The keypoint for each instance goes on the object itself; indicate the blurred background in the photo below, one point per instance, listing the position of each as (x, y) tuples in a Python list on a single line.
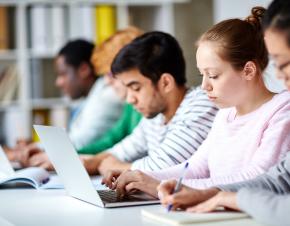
[(32, 32)]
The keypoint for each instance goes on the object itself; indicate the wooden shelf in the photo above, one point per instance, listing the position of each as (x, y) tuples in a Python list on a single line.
[(43, 55), (8, 54), (50, 102)]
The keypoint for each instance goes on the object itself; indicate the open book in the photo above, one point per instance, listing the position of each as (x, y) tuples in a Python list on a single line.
[(183, 218), (32, 176)]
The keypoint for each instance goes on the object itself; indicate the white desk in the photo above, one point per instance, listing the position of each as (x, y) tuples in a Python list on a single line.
[(52, 207)]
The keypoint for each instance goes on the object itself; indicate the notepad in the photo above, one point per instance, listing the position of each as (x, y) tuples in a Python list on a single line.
[(183, 218)]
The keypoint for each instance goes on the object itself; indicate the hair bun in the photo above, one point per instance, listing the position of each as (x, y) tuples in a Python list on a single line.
[(255, 18)]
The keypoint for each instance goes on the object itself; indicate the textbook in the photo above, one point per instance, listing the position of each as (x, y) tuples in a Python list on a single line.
[(184, 218), (33, 176)]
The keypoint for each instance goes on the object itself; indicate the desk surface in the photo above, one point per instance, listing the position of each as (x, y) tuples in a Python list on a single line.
[(52, 207)]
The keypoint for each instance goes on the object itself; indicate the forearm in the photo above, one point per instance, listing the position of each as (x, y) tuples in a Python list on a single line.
[(92, 163), (122, 166)]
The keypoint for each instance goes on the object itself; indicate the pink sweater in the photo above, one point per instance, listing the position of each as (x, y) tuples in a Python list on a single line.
[(238, 148)]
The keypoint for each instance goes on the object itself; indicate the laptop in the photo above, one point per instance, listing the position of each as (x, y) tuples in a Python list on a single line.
[(74, 176)]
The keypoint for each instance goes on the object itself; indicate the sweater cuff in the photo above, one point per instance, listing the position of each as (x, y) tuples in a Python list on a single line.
[(228, 187)]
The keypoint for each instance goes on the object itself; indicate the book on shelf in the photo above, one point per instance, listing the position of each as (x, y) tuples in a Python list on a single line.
[(55, 115), (40, 33), (37, 78), (48, 27), (58, 27), (4, 32), (9, 82), (14, 119), (84, 15), (7, 28), (87, 15), (59, 116), (183, 218), (105, 22), (40, 117)]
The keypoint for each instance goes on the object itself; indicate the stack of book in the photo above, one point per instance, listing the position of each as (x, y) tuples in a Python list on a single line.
[(9, 83)]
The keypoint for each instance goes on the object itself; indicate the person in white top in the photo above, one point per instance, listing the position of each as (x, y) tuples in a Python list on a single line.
[(99, 110)]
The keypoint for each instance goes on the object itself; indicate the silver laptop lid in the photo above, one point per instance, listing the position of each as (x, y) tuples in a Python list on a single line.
[(67, 164), (5, 166)]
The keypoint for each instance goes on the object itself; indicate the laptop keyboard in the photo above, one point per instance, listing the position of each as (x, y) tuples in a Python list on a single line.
[(110, 196)]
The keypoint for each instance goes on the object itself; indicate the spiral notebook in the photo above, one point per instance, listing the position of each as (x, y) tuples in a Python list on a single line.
[(184, 218)]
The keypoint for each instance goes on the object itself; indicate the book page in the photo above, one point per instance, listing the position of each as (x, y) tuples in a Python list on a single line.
[(33, 176)]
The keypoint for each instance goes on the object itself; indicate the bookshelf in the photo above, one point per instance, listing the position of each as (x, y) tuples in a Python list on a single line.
[(32, 54)]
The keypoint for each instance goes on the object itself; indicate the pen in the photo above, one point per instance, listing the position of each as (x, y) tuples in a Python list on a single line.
[(178, 185)]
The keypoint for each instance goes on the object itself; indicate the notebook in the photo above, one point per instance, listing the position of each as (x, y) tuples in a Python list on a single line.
[(32, 176), (184, 218), (74, 176)]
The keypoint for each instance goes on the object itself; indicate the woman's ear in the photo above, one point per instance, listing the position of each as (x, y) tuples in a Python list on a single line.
[(250, 70), (166, 82)]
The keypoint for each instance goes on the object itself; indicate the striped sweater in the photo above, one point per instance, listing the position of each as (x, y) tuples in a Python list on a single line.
[(154, 145)]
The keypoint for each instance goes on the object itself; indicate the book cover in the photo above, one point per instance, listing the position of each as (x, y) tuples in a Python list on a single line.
[(58, 27), (84, 15), (183, 218), (4, 32), (87, 14), (40, 34), (105, 22), (9, 83)]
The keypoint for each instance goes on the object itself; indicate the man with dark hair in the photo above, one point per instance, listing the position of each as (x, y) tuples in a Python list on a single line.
[(72, 60), (76, 78), (98, 112), (176, 119)]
